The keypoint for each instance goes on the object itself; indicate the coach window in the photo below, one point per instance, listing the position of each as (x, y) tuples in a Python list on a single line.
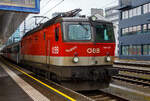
[(57, 33)]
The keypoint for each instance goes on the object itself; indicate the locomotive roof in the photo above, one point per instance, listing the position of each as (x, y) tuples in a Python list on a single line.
[(83, 19), (62, 19), (70, 19)]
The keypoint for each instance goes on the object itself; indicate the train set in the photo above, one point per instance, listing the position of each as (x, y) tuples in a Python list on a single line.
[(76, 52)]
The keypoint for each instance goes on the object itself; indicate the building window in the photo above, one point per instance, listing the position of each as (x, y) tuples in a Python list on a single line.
[(145, 8), (148, 49), (139, 48), (125, 50), (145, 49), (134, 29), (130, 29), (126, 30), (126, 14), (145, 28), (131, 50), (123, 31), (134, 12), (123, 13), (130, 13), (139, 10), (139, 28), (148, 27)]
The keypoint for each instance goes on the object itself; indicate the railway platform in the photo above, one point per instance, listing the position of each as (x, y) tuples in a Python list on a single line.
[(13, 88), (19, 84), (9, 90)]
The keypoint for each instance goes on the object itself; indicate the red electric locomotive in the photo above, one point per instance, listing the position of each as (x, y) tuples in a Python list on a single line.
[(75, 51)]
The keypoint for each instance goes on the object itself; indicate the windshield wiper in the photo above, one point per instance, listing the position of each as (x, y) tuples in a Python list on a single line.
[(83, 26)]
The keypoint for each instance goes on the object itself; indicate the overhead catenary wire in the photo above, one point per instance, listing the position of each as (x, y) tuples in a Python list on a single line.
[(53, 7), (46, 4)]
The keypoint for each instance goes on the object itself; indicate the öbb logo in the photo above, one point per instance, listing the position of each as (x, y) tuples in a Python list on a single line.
[(93, 50)]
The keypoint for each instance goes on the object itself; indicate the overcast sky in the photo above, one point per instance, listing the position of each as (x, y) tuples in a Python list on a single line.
[(48, 6)]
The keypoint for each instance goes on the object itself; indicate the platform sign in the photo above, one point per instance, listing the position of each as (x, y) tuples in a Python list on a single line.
[(21, 5)]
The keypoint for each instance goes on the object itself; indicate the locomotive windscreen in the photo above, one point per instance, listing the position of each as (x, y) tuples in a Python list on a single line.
[(104, 33), (79, 32)]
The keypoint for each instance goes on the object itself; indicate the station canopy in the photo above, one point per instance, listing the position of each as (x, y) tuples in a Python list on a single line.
[(13, 13)]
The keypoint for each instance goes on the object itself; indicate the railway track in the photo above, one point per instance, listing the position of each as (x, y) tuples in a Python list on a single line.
[(98, 95), (133, 74), (133, 80), (135, 71)]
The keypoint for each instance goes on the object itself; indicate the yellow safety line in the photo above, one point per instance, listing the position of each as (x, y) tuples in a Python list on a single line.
[(66, 96)]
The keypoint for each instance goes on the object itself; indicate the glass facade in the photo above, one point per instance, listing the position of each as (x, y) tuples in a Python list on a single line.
[(134, 31)]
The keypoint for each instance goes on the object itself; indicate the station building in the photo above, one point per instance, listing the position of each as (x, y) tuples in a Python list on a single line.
[(134, 29)]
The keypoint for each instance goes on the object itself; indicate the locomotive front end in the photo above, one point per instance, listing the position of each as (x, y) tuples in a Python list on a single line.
[(88, 50)]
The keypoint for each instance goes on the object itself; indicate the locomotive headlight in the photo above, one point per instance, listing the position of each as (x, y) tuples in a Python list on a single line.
[(75, 59), (108, 59)]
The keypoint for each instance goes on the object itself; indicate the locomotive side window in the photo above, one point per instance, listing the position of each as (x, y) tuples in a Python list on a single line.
[(78, 32), (56, 33), (44, 35), (104, 33)]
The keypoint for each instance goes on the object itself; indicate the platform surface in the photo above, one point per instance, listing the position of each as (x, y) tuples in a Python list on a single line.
[(9, 90)]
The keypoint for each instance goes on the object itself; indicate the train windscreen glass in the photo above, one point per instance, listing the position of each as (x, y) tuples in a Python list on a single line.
[(104, 33), (78, 32)]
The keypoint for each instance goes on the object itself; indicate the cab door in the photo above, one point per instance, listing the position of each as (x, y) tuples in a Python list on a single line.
[(47, 47)]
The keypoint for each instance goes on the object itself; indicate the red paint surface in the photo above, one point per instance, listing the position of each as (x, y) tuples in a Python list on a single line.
[(36, 45)]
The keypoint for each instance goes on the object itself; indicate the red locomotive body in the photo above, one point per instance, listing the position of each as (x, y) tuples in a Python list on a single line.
[(76, 52)]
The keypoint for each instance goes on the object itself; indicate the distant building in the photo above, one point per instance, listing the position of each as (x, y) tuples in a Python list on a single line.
[(112, 14), (134, 29), (15, 37), (97, 11)]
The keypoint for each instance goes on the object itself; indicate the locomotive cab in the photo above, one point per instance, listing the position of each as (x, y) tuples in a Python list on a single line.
[(85, 38)]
